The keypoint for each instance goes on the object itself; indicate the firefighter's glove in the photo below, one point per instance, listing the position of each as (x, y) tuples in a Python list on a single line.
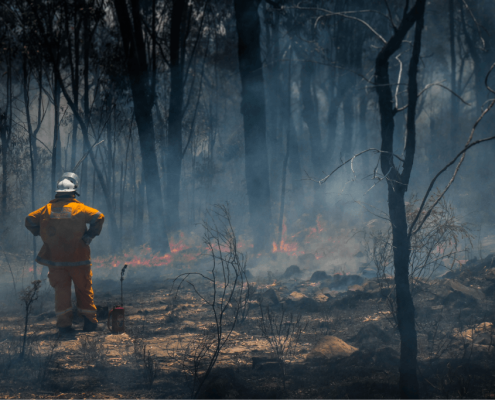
[(86, 239)]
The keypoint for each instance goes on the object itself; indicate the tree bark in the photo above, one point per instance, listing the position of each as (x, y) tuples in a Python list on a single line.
[(334, 105), (480, 54), (142, 94), (84, 191), (348, 109), (310, 115), (454, 105), (397, 184), (5, 134), (287, 155), (33, 152), (75, 79), (276, 101), (56, 148), (174, 138), (253, 111)]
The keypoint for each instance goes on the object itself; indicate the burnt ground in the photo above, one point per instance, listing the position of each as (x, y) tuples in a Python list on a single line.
[(348, 348)]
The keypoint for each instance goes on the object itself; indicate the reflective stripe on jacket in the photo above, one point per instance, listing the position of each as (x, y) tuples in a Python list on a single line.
[(61, 225)]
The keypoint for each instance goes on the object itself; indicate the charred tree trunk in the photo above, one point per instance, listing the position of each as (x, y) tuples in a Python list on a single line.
[(454, 107), (349, 118), (397, 183), (75, 79), (295, 168), (478, 49), (139, 235), (364, 140), (287, 155), (174, 138), (5, 143), (56, 148), (85, 100), (334, 105), (5, 135), (310, 115), (33, 151), (109, 144), (253, 111), (143, 98), (276, 101)]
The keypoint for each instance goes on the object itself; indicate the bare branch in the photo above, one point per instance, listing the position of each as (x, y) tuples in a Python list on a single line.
[(431, 85), (329, 13), (390, 16), (461, 154), (477, 25), (398, 81), (322, 181)]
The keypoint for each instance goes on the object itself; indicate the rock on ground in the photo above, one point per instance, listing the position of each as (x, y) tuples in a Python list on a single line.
[(268, 298), (319, 276), (293, 270), (302, 302), (331, 347), (371, 333)]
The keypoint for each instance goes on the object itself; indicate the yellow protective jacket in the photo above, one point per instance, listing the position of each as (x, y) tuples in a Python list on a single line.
[(61, 225)]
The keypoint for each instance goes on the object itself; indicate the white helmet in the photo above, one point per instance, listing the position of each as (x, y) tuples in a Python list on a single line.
[(68, 184)]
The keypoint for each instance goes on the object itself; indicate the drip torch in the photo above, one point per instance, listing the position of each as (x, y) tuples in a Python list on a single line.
[(116, 321)]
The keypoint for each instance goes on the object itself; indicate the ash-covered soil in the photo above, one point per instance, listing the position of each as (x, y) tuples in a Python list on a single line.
[(348, 345)]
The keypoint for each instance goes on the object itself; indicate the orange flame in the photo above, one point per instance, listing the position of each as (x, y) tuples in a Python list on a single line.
[(290, 248), (313, 240)]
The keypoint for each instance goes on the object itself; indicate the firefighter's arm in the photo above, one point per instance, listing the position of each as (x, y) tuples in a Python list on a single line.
[(95, 220), (32, 222)]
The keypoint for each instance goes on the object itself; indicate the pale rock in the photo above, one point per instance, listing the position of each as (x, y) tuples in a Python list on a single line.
[(331, 347)]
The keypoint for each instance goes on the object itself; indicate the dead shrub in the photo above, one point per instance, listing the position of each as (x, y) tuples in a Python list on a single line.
[(283, 333), (28, 297), (225, 291), (43, 361), (438, 243), (145, 361), (92, 350), (454, 358), (27, 360)]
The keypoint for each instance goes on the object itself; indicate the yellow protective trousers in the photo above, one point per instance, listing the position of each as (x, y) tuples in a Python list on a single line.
[(60, 279)]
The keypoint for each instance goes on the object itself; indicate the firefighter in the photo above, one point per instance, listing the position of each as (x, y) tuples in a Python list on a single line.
[(62, 227)]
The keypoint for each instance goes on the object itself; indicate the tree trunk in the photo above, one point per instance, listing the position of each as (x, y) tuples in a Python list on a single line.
[(110, 169), (5, 131), (295, 168), (139, 231), (3, 138), (174, 138), (310, 115), (454, 105), (253, 111), (56, 148), (75, 87), (364, 140), (287, 155), (276, 101), (349, 118), (33, 153), (84, 190), (476, 55), (397, 184), (333, 105), (142, 95)]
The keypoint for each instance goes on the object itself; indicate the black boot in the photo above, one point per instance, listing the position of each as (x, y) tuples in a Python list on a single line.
[(89, 326), (67, 330)]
